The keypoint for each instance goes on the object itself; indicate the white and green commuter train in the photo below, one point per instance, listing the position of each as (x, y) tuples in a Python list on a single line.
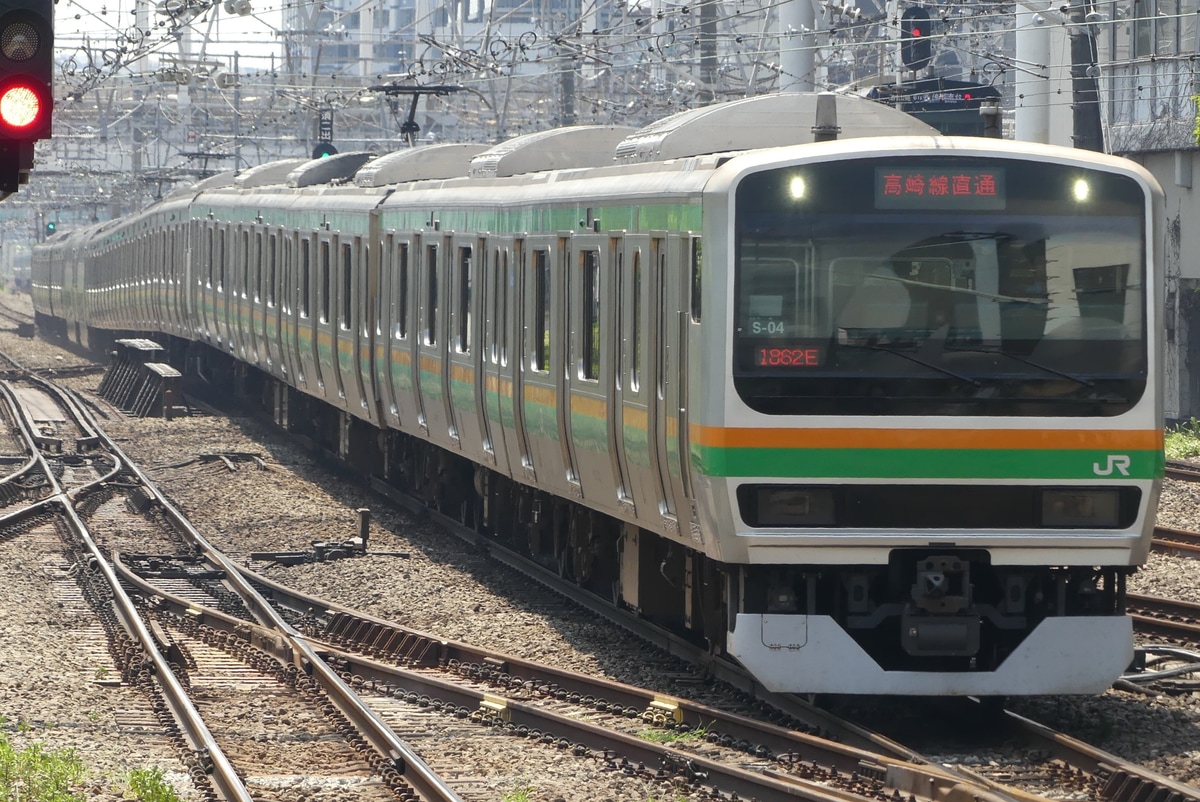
[(875, 414)]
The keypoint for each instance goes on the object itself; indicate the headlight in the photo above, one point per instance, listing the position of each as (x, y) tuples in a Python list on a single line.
[(1067, 508)]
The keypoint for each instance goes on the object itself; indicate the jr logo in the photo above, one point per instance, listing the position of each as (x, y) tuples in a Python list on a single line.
[(1118, 462)]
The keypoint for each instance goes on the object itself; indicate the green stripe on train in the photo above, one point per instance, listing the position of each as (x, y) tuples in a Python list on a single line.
[(645, 217), (932, 463)]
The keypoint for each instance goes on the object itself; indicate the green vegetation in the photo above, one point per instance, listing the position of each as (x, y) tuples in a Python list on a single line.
[(38, 774), (148, 785), (1183, 441), (519, 793), (672, 736), (35, 774), (1196, 130)]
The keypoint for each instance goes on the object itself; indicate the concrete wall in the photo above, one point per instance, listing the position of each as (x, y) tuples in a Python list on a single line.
[(1177, 171)]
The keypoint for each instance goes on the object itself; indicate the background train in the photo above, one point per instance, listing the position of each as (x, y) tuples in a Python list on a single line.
[(876, 414)]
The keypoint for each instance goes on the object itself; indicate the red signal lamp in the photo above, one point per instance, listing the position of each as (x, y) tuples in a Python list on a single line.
[(20, 106)]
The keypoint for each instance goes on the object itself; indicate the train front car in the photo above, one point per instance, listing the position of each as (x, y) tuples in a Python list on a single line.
[(935, 448)]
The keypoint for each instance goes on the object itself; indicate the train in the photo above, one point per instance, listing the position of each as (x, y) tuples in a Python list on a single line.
[(867, 409)]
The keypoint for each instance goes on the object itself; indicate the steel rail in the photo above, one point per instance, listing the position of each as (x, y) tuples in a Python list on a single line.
[(386, 638), (1126, 782), (1183, 471), (1179, 542), (1162, 616), (765, 785), (726, 671), (225, 779), (391, 747)]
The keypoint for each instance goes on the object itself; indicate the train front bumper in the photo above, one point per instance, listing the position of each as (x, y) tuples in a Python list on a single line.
[(812, 654)]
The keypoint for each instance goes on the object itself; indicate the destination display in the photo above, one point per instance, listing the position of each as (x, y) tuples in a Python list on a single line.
[(940, 188)]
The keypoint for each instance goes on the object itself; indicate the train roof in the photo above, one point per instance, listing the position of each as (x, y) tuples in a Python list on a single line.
[(419, 164), (568, 148), (266, 174), (327, 169), (768, 121), (726, 128)]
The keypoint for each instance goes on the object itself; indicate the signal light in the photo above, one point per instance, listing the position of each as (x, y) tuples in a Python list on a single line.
[(20, 107), (324, 149), (51, 227), (916, 49), (26, 69)]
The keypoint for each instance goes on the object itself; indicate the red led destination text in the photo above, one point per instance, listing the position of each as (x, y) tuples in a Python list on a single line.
[(789, 357)]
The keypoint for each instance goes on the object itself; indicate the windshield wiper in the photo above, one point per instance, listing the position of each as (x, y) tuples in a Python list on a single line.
[(1029, 362), (911, 358)]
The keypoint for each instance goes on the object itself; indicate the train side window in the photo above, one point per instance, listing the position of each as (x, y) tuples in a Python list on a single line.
[(590, 269), (287, 268), (491, 282), (661, 331), (400, 292), (541, 312), (366, 310), (502, 312), (635, 327), (258, 266), (431, 290), (220, 261), (323, 287), (697, 267), (464, 300), (305, 276), (243, 270), (387, 274), (209, 252), (272, 253), (347, 285)]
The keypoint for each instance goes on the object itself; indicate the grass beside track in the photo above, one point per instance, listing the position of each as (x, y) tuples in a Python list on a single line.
[(37, 774), (1183, 441)]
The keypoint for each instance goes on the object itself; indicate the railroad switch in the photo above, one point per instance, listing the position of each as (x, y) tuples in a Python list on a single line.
[(324, 551)]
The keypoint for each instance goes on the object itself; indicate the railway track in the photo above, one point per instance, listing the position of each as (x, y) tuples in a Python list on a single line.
[(1179, 542), (1168, 618), (590, 718), (182, 669), (1183, 471)]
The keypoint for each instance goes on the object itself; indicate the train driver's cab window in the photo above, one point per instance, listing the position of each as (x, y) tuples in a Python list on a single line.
[(1033, 306)]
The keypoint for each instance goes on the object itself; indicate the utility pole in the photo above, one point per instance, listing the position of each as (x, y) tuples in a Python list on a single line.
[(1085, 93), (708, 51), (237, 115)]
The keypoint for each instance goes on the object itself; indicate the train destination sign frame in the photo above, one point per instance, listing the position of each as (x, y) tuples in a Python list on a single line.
[(946, 188)]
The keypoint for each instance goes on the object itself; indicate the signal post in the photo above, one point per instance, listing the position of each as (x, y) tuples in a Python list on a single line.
[(26, 85)]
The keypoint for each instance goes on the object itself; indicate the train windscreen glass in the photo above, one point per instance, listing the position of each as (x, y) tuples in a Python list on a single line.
[(935, 285)]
